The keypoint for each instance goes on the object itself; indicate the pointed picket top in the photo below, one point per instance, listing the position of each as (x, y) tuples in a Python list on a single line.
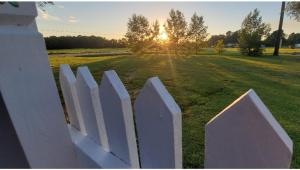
[(246, 135), (118, 118), (91, 109), (67, 82), (158, 120)]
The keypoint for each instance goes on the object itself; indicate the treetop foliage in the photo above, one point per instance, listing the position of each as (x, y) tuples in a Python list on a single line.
[(293, 10), (252, 31), (197, 29), (69, 42), (176, 26)]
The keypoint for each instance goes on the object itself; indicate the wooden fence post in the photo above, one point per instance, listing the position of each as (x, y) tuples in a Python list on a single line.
[(246, 135), (29, 92), (158, 120), (118, 118), (88, 94), (68, 87)]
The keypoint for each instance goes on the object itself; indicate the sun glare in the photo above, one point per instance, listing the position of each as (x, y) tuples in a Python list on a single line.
[(163, 36)]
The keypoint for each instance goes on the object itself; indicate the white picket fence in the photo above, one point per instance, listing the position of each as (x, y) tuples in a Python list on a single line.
[(104, 130), (102, 124)]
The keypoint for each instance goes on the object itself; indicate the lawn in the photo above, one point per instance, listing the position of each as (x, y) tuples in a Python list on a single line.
[(205, 84), (87, 50)]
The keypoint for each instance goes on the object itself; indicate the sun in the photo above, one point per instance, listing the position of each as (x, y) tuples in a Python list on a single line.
[(163, 36)]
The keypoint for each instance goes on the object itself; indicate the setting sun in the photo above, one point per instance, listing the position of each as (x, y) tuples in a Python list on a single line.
[(163, 36)]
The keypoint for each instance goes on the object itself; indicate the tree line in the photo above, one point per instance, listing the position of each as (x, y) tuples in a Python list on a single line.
[(69, 42), (253, 35), (141, 35), (181, 35)]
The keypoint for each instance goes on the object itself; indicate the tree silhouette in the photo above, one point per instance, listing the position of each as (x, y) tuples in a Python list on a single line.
[(197, 30), (176, 27), (251, 33), (293, 10), (138, 33)]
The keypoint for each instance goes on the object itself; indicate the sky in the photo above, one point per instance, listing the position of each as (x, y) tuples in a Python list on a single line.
[(109, 19)]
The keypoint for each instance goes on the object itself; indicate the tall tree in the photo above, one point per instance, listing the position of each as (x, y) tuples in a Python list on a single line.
[(252, 31), (197, 30), (293, 10), (212, 41), (155, 30), (176, 27), (270, 41), (138, 32), (231, 38), (279, 32), (294, 38)]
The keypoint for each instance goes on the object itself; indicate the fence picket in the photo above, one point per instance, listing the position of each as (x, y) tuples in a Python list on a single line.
[(29, 91), (246, 135), (118, 117), (67, 83), (89, 101), (158, 120)]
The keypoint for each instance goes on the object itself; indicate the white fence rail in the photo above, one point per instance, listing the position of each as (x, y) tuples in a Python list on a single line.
[(104, 130)]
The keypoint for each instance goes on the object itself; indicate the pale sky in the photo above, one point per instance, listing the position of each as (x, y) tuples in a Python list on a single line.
[(109, 19)]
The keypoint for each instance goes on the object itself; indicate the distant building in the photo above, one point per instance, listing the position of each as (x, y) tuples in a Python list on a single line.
[(230, 45)]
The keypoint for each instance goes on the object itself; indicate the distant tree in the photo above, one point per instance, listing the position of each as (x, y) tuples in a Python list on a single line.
[(231, 37), (176, 27), (155, 31), (219, 47), (69, 42), (138, 33), (271, 39), (293, 10), (252, 31), (294, 38), (197, 31), (212, 41)]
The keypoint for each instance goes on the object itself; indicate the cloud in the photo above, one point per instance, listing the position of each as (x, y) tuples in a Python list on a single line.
[(46, 16), (72, 19)]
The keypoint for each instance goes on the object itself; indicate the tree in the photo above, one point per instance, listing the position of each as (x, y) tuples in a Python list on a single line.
[(279, 32), (176, 27), (155, 36), (197, 30), (252, 31), (271, 39), (231, 38), (138, 32), (294, 38), (220, 47), (212, 41), (68, 42), (293, 10), (155, 30)]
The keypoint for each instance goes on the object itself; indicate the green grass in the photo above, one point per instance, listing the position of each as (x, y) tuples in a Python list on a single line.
[(87, 50), (205, 84)]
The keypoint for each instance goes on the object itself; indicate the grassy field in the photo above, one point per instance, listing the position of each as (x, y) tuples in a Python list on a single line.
[(205, 84), (87, 50)]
